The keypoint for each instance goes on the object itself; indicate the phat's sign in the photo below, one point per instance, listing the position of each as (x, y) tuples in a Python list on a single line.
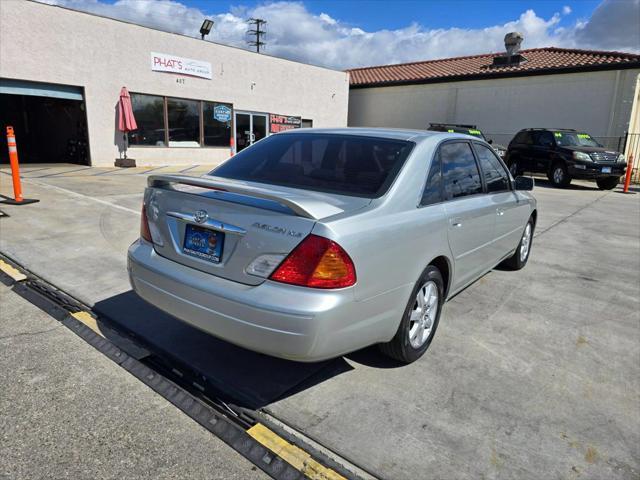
[(162, 62), (280, 123)]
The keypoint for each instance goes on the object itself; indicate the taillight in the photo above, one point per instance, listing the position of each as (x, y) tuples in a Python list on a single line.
[(317, 262), (144, 226)]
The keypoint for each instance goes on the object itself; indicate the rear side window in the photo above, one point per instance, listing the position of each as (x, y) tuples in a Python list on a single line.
[(459, 170), (433, 188), (332, 163), (522, 137), (495, 176)]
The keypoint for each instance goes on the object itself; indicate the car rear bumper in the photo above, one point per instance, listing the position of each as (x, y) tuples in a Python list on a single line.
[(281, 320)]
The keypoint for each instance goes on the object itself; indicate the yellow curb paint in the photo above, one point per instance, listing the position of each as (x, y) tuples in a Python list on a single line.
[(295, 456), (12, 272), (89, 321)]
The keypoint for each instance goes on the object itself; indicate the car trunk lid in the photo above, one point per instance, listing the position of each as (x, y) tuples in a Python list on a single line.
[(250, 219)]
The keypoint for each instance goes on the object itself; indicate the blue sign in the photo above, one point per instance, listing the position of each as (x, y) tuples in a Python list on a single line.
[(222, 113)]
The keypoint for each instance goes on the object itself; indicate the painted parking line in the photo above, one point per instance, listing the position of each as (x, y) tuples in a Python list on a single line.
[(294, 456)]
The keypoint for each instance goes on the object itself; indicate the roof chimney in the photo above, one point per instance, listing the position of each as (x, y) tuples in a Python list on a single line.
[(512, 42)]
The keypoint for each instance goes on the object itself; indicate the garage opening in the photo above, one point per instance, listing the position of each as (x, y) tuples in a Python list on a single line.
[(49, 121)]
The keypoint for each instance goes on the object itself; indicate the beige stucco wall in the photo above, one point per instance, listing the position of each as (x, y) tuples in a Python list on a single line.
[(596, 102), (51, 44)]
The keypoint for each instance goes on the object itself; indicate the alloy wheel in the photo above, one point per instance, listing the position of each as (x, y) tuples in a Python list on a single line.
[(423, 315)]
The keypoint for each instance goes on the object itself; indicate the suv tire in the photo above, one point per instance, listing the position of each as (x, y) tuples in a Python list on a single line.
[(514, 168), (430, 286), (520, 257), (608, 183), (559, 175)]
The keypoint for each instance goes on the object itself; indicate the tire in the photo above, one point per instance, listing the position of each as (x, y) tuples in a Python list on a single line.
[(402, 347), (514, 168), (520, 257), (559, 175), (608, 183)]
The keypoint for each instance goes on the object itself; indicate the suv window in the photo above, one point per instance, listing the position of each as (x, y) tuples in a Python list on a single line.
[(522, 137), (333, 163), (433, 188), (495, 176), (543, 139), (459, 170)]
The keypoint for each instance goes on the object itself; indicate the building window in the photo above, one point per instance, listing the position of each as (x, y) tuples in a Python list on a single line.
[(184, 122), (216, 122), (149, 113), (180, 122)]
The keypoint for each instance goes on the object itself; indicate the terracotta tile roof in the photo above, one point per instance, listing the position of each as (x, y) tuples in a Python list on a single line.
[(538, 61)]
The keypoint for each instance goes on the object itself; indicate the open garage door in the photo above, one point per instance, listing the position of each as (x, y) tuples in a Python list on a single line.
[(49, 121)]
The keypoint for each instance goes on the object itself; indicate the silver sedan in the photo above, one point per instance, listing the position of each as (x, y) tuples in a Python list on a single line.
[(316, 242)]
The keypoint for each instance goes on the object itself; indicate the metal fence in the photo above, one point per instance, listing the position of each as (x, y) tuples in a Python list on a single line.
[(629, 144)]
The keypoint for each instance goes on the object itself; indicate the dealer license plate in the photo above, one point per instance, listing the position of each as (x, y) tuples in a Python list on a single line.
[(606, 169), (203, 243)]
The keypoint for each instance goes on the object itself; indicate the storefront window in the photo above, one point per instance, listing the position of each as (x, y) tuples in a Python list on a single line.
[(184, 122), (217, 124), (149, 113)]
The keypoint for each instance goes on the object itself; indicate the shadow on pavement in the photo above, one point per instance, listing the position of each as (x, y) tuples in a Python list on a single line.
[(544, 183), (247, 378)]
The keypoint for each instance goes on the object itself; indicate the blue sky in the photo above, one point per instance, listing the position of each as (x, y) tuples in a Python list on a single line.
[(390, 14), (350, 33)]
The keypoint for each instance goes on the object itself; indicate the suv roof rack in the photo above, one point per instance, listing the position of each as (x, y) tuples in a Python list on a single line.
[(558, 129), (444, 124)]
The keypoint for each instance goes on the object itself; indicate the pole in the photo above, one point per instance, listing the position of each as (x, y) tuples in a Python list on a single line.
[(627, 178), (15, 171)]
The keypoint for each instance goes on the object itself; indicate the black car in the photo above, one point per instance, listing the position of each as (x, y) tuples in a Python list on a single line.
[(467, 130), (564, 154)]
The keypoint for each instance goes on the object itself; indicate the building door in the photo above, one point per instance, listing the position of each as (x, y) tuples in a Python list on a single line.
[(49, 121), (250, 127)]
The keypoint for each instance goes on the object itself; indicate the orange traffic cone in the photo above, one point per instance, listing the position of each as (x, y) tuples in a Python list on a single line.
[(15, 173)]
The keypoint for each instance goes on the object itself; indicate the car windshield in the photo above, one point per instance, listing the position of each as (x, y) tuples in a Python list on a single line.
[(575, 139), (332, 163)]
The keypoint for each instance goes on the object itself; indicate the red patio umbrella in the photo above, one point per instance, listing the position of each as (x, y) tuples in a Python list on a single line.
[(126, 120)]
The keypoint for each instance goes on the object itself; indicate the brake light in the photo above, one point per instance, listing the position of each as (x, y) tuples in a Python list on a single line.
[(144, 226), (317, 262)]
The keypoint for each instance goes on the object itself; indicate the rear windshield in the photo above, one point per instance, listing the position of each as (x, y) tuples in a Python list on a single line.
[(343, 164)]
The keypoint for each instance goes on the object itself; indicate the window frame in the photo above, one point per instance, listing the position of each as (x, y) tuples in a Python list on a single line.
[(165, 113), (500, 162)]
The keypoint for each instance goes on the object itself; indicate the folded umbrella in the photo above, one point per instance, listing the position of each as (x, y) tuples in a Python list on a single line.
[(126, 119)]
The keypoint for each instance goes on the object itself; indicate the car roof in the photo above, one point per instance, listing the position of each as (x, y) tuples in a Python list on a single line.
[(391, 133), (548, 129)]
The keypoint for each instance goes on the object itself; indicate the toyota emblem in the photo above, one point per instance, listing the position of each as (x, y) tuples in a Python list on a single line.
[(201, 216)]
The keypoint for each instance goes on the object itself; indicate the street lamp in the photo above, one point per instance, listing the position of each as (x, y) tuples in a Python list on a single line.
[(206, 27)]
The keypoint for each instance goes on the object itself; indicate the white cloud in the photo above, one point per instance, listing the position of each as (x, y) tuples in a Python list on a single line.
[(297, 34), (566, 10)]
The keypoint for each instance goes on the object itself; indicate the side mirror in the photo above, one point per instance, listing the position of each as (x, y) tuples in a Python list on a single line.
[(524, 183), (490, 141)]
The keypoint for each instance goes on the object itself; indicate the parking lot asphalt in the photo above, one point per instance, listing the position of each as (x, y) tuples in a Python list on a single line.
[(66, 411), (532, 374)]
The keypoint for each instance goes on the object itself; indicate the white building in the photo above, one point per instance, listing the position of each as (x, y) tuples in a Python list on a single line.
[(61, 72), (551, 87)]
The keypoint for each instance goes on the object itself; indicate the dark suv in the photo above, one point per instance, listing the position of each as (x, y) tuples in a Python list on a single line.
[(467, 130), (562, 155)]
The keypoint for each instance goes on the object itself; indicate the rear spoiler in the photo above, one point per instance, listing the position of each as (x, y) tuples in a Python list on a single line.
[(298, 207)]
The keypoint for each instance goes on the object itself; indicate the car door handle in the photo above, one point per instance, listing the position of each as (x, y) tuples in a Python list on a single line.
[(499, 211), (455, 222)]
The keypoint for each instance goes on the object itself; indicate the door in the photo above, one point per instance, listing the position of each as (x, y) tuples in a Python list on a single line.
[(250, 127), (509, 210), (470, 213), (541, 153)]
